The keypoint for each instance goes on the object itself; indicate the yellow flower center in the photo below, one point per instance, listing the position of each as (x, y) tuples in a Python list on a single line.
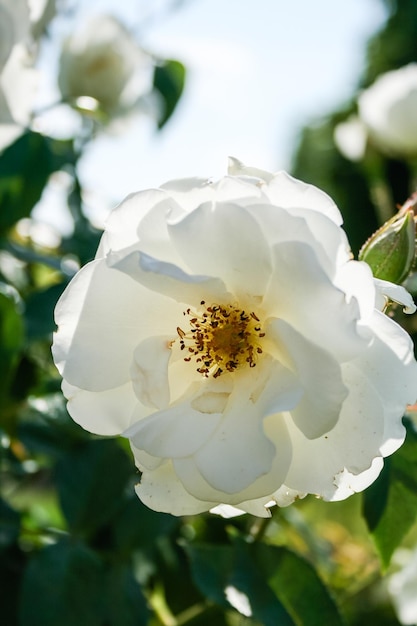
[(221, 338)]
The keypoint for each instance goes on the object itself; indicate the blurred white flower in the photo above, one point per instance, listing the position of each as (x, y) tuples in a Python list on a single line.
[(18, 83), (41, 13), (14, 26), (103, 62), (388, 110), (402, 586), (351, 138), (226, 331), (21, 24)]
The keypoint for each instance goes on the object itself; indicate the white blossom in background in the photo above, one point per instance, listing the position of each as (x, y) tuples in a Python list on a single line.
[(102, 61), (22, 22), (351, 138), (224, 328), (41, 13), (402, 586), (14, 26), (388, 110)]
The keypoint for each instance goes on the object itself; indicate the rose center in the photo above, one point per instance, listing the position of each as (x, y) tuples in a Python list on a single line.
[(221, 338)]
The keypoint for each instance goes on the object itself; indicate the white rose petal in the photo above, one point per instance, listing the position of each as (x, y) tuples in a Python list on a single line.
[(247, 352), (315, 414), (386, 291), (108, 412), (225, 240), (161, 490)]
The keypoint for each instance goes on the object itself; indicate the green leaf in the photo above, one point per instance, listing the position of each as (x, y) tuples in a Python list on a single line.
[(9, 525), (390, 504), (211, 567), (11, 341), (297, 585), (169, 81), (221, 570), (280, 587), (136, 526), (50, 432), (24, 170), (62, 585), (124, 603), (39, 312), (90, 480), (12, 567)]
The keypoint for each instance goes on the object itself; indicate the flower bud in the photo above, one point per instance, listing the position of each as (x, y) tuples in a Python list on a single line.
[(390, 251)]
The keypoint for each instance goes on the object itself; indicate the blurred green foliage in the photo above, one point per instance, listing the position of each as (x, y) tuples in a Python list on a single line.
[(395, 45), (169, 81), (369, 191), (77, 548)]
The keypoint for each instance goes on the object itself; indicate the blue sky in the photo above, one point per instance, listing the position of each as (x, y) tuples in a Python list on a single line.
[(257, 71)]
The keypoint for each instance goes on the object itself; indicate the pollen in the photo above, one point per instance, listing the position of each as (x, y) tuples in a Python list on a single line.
[(221, 338)]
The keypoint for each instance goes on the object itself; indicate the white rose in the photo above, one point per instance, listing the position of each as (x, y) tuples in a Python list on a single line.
[(104, 62), (18, 78), (224, 329), (14, 26), (402, 586), (41, 13), (388, 109)]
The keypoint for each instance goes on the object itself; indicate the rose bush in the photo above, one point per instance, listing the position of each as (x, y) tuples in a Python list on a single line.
[(224, 328), (388, 110), (102, 61)]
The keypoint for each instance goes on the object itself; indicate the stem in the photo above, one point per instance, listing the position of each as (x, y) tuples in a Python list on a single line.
[(161, 609), (259, 528), (164, 614), (191, 613), (398, 177)]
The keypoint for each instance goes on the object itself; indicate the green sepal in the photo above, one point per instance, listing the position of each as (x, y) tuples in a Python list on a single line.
[(390, 252)]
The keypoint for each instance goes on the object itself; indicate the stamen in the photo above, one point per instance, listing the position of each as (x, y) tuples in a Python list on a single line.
[(221, 338)]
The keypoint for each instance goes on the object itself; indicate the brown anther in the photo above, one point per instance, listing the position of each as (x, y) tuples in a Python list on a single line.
[(221, 337)]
